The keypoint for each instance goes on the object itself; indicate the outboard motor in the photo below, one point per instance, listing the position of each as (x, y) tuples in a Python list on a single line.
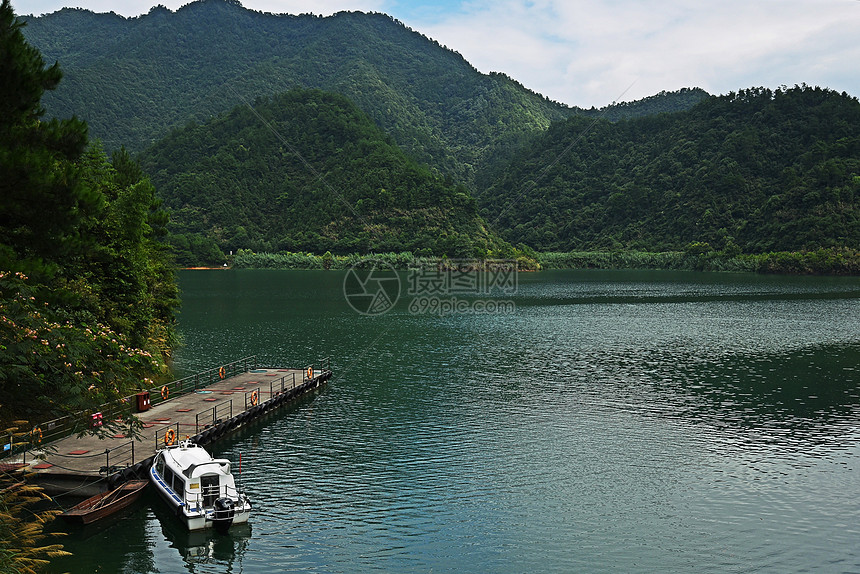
[(223, 515)]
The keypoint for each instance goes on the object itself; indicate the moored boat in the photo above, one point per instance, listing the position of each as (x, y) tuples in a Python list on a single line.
[(106, 503), (198, 488)]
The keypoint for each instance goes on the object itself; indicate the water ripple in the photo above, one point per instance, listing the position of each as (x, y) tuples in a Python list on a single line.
[(630, 421)]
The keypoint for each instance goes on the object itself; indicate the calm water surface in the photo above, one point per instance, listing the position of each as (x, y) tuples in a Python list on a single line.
[(627, 421)]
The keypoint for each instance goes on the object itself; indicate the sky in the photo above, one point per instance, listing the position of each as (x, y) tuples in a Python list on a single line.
[(594, 52)]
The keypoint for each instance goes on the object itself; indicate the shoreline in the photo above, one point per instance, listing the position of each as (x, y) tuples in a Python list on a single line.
[(841, 261)]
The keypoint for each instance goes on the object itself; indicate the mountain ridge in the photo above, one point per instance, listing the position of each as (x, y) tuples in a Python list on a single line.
[(132, 79)]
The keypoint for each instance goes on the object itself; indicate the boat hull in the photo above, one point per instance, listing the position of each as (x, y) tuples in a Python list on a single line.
[(104, 504)]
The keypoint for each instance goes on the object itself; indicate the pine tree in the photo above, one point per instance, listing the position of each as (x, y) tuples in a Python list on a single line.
[(36, 160)]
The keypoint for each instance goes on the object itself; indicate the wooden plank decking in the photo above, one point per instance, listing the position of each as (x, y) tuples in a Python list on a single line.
[(90, 459)]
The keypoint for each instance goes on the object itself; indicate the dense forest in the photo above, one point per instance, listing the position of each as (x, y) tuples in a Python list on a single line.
[(758, 171), (132, 79), (753, 171), (307, 171), (87, 290)]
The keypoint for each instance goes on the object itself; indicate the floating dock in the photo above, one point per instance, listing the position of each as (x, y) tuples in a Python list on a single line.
[(204, 408)]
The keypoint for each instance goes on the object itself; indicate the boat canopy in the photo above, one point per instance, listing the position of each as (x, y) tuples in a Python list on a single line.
[(193, 458), (223, 467)]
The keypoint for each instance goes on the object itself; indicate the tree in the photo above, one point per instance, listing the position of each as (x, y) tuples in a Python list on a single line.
[(87, 290), (36, 160)]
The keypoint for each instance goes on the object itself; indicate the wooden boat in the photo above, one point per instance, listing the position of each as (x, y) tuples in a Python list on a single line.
[(199, 489), (106, 503)]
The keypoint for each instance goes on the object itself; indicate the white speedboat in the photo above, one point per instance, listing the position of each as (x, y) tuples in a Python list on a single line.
[(200, 489)]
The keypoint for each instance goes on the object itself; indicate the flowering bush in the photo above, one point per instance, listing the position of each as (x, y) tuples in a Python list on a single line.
[(54, 363)]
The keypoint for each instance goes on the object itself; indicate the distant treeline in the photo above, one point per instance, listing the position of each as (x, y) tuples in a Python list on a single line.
[(403, 260), (833, 261)]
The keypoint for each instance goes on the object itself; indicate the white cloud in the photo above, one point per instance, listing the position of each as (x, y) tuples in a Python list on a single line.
[(588, 52)]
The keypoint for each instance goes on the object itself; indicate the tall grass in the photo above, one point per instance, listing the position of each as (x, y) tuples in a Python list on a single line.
[(22, 529)]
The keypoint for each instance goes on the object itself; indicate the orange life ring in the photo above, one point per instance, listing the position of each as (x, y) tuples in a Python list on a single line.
[(165, 392), (36, 434), (310, 372), (221, 372), (254, 398), (170, 437)]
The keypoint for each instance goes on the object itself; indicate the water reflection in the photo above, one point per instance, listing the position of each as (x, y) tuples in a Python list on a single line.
[(117, 543), (223, 552)]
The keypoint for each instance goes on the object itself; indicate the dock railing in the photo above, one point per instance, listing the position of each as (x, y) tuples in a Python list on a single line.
[(115, 458), (222, 410), (276, 388), (80, 422)]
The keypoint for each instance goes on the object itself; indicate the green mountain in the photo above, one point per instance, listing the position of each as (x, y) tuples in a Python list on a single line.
[(307, 171), (132, 79), (757, 170)]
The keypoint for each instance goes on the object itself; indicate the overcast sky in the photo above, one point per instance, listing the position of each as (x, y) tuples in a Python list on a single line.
[(593, 52)]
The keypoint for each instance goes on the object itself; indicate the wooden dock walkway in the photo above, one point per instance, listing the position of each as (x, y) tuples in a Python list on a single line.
[(88, 464)]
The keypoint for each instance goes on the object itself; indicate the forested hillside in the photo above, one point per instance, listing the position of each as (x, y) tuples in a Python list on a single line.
[(662, 103), (87, 289), (132, 79), (752, 171), (307, 171)]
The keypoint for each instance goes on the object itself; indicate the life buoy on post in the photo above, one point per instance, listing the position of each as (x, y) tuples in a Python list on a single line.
[(36, 435), (310, 372), (170, 437), (165, 392), (221, 372), (254, 398)]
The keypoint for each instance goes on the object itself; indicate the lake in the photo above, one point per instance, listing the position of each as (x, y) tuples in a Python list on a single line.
[(633, 421)]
